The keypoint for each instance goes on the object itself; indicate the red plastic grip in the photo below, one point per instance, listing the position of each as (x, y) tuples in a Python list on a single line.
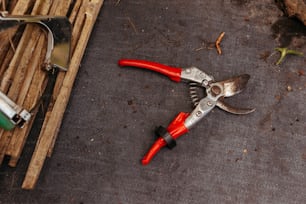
[(158, 144), (177, 126), (172, 72), (175, 129)]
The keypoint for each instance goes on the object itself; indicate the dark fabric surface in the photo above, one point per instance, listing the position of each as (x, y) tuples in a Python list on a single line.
[(109, 124)]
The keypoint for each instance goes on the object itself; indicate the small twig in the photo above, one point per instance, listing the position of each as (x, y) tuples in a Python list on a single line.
[(218, 42), (198, 49), (285, 51), (208, 46), (132, 24)]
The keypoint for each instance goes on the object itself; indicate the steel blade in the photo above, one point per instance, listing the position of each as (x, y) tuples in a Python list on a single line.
[(234, 85), (238, 111)]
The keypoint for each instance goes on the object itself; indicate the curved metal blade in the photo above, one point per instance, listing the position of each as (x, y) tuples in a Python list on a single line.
[(238, 111), (234, 85)]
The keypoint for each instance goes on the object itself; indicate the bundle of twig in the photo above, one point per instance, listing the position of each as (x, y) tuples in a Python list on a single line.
[(23, 80)]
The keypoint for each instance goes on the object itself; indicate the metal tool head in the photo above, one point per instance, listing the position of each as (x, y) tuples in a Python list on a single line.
[(228, 88), (59, 36)]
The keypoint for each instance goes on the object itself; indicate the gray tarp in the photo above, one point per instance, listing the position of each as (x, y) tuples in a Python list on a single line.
[(109, 124)]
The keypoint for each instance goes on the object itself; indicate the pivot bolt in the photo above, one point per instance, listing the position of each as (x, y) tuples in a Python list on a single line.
[(199, 113), (216, 90)]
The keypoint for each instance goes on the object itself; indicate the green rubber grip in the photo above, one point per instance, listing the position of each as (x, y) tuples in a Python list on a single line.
[(5, 123)]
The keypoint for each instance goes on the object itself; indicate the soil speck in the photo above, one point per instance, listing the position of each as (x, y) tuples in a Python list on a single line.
[(264, 55), (130, 102)]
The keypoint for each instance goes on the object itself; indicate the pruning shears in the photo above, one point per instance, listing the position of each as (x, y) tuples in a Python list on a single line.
[(215, 91)]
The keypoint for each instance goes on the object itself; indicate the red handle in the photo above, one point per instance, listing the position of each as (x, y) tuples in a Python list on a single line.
[(175, 129), (158, 144), (172, 72)]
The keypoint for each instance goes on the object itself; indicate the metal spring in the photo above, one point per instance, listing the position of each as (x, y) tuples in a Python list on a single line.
[(193, 87)]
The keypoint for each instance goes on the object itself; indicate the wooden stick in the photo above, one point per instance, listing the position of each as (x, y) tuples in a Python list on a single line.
[(41, 7), (77, 22), (91, 9), (75, 11), (6, 48), (22, 6), (6, 54)]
